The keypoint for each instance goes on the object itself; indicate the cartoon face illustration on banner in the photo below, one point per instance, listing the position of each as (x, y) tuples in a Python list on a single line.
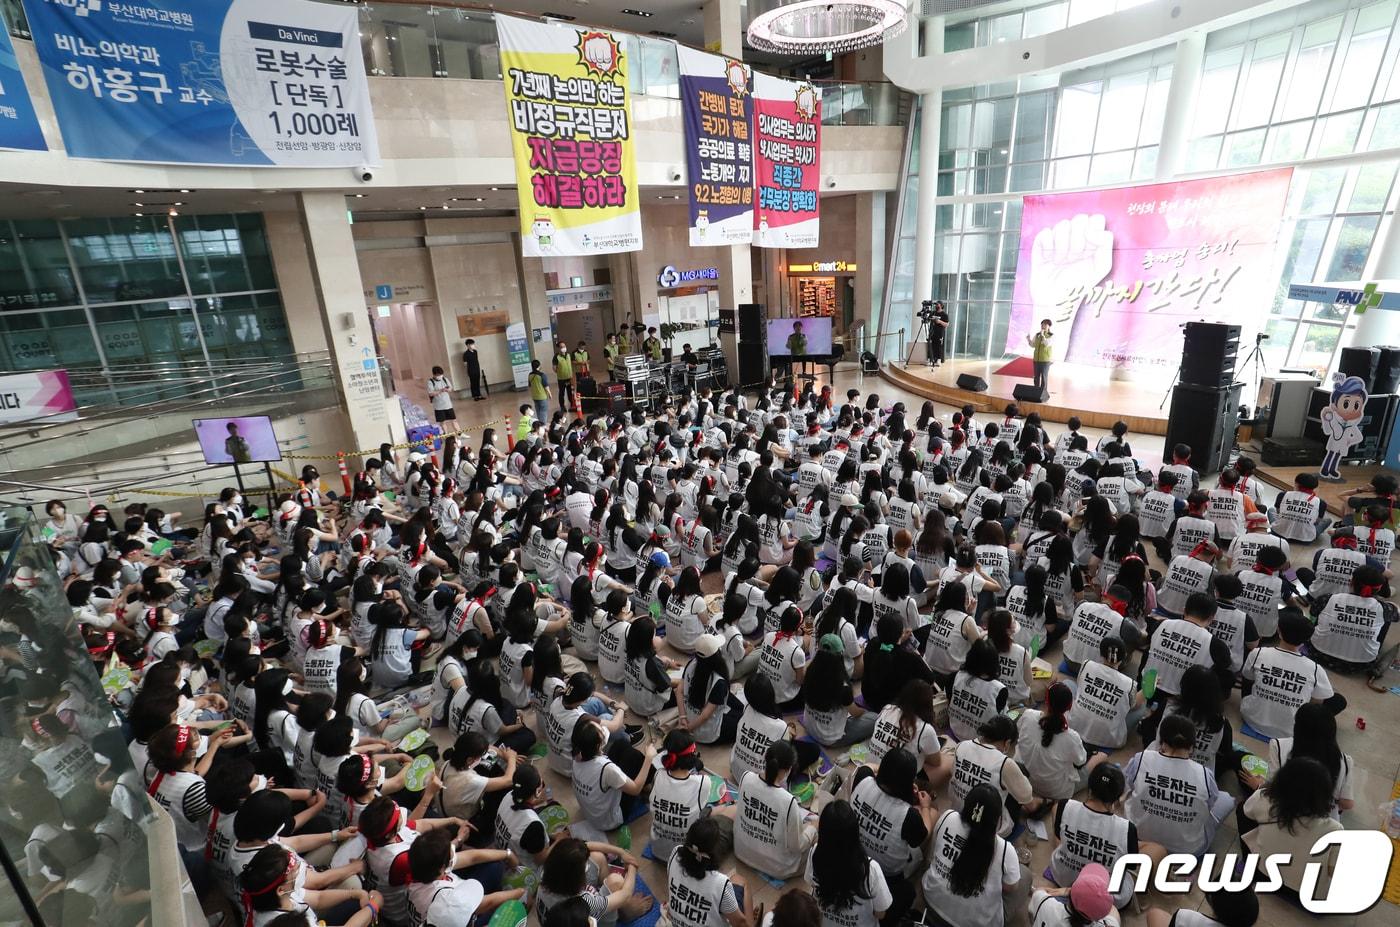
[(702, 221), (763, 223), (543, 230), (1341, 423), (598, 52), (806, 102), (737, 76)]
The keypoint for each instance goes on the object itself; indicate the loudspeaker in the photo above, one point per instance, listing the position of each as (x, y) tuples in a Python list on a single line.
[(587, 386), (972, 383), (1208, 354), (1387, 370), (1205, 418), (753, 363), (1361, 362), (1377, 418), (1029, 392), (751, 324)]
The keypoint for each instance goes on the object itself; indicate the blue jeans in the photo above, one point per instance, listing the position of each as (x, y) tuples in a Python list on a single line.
[(596, 707), (542, 410)]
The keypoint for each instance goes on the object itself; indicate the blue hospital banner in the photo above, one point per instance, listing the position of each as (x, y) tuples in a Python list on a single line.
[(19, 127), (274, 83)]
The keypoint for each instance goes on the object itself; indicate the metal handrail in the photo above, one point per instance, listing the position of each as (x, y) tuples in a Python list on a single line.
[(107, 414), (121, 415)]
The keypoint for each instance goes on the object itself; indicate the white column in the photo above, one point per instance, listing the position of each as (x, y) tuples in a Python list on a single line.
[(1181, 104), (724, 27), (1376, 326), (930, 124), (335, 273)]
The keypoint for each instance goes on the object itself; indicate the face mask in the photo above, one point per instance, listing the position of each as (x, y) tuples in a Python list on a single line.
[(248, 565), (59, 513), (237, 500)]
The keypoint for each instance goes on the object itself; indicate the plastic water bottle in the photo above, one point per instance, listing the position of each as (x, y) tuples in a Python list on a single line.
[(1392, 824)]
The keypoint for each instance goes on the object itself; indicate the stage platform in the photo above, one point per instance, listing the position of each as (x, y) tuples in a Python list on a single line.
[(1088, 392)]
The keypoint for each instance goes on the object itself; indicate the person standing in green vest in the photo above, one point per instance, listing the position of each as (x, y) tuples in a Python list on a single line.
[(539, 391), (652, 346), (581, 368), (612, 356), (564, 376), (1042, 351)]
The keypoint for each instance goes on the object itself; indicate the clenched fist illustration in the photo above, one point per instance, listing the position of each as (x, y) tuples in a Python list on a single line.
[(1072, 253), (599, 51)]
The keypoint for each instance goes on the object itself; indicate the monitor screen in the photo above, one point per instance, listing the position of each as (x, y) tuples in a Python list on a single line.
[(249, 439), (797, 337)]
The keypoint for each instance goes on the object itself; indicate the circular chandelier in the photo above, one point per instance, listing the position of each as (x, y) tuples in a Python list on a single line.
[(805, 27)]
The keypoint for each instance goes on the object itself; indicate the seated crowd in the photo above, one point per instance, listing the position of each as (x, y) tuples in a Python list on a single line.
[(870, 654)]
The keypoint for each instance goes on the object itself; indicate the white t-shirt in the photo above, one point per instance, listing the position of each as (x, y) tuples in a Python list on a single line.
[(887, 736), (442, 401), (452, 900), (1054, 771)]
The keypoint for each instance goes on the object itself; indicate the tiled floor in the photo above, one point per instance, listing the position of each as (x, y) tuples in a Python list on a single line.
[(1376, 750)]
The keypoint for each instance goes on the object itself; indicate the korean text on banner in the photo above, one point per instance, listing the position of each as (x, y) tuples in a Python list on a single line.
[(255, 83), (787, 120), (39, 394), (518, 346), (19, 127), (1117, 272), (717, 103), (571, 132)]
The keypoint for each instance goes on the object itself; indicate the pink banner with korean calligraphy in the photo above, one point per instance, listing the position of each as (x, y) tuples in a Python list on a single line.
[(571, 133), (1118, 271)]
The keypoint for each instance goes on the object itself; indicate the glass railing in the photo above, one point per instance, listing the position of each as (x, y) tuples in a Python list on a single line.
[(83, 841), (459, 42)]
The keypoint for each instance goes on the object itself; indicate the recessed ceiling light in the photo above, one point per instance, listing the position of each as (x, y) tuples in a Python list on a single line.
[(186, 191), (138, 204), (174, 212), (422, 209), (138, 191), (138, 214), (480, 199), (559, 16), (494, 189), (360, 196), (642, 13), (662, 35)]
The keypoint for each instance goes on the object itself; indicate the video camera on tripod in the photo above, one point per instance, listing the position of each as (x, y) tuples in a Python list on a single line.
[(926, 310)]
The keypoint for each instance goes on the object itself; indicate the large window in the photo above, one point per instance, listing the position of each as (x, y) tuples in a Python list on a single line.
[(109, 293), (1316, 81), (1320, 79)]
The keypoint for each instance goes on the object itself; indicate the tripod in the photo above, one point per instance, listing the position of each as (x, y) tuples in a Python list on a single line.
[(914, 345), (1256, 358)]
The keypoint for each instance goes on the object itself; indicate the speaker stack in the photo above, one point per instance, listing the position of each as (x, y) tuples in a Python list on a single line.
[(1205, 410), (752, 349)]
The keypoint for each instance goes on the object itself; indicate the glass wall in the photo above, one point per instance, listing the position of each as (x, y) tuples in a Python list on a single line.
[(1319, 80), (77, 823), (95, 293)]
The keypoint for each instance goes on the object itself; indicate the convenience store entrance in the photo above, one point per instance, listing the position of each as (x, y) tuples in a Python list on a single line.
[(829, 295)]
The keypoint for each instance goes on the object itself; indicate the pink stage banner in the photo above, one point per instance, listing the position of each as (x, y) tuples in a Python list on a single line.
[(787, 117), (1119, 271), (41, 394)]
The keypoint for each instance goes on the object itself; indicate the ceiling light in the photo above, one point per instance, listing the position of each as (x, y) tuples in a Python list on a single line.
[(138, 191), (824, 26), (359, 196), (174, 212), (480, 199), (642, 13), (663, 35), (186, 191), (138, 214), (138, 204)]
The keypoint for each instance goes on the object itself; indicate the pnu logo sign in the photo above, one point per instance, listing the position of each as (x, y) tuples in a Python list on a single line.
[(80, 7), (1362, 860), (1369, 298)]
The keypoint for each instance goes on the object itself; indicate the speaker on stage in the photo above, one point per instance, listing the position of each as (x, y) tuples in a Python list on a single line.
[(1361, 362), (1029, 392), (1206, 419), (753, 363), (1387, 370), (972, 383), (1209, 353), (751, 325)]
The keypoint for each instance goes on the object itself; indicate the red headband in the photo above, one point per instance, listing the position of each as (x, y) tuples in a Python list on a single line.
[(275, 884), (671, 759)]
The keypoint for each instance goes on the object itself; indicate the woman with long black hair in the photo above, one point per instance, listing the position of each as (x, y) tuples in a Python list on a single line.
[(828, 714), (971, 868), (849, 886), (895, 818), (707, 708)]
